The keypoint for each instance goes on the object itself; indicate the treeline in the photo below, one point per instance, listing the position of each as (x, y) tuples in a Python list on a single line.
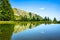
[(35, 18)]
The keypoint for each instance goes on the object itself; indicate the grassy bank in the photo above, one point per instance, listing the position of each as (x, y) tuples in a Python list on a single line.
[(6, 22), (17, 22)]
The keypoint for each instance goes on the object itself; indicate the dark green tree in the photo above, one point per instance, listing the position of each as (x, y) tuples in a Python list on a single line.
[(33, 18), (6, 12), (38, 19), (45, 19), (24, 18), (54, 19), (48, 19), (30, 14)]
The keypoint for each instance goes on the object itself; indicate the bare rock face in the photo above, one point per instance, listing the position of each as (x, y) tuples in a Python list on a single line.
[(6, 12)]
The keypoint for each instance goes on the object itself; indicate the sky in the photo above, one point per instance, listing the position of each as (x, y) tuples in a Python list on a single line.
[(49, 8)]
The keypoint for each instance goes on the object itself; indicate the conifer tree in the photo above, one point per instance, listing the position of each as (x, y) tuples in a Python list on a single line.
[(6, 12), (54, 19)]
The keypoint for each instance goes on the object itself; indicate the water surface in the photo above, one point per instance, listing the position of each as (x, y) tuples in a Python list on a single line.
[(29, 31), (40, 32)]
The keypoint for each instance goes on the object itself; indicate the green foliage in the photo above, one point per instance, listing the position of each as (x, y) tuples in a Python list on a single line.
[(46, 19), (30, 14), (6, 12), (33, 19), (58, 21), (38, 18), (24, 18), (54, 19)]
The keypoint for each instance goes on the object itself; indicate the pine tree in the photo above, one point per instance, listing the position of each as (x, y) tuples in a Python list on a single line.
[(45, 19), (6, 12), (54, 19)]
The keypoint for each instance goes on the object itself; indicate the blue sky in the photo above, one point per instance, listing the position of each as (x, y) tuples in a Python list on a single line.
[(49, 8)]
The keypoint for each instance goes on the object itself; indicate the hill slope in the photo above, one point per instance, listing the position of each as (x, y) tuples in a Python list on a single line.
[(23, 15)]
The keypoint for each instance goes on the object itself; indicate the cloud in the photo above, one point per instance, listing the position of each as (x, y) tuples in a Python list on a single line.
[(41, 8)]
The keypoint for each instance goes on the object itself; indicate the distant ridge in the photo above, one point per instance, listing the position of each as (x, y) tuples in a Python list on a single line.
[(18, 13)]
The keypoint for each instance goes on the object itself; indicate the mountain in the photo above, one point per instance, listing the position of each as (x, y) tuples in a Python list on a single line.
[(23, 15)]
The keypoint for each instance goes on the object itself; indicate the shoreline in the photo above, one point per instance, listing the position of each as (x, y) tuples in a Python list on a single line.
[(17, 22)]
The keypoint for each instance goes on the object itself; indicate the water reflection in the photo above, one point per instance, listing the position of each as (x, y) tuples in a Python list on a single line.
[(6, 31), (41, 32), (24, 26)]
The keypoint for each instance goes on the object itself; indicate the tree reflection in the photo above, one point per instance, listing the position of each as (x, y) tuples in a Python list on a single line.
[(24, 26), (6, 31)]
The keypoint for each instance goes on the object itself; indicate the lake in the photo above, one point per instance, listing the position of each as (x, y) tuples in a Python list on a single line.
[(29, 31)]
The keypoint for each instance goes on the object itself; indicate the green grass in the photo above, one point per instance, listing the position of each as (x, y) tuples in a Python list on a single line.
[(6, 22), (17, 22)]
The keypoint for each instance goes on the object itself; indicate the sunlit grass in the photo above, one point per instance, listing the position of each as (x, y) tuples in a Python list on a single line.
[(6, 22), (17, 22)]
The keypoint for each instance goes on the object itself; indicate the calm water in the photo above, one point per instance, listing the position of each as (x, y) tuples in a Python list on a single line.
[(30, 31)]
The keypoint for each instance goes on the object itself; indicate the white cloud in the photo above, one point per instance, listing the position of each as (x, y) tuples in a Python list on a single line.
[(41, 8)]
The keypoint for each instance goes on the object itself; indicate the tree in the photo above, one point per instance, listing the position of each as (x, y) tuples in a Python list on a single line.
[(45, 19), (6, 11), (30, 14), (54, 19), (48, 19), (25, 18), (33, 18)]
